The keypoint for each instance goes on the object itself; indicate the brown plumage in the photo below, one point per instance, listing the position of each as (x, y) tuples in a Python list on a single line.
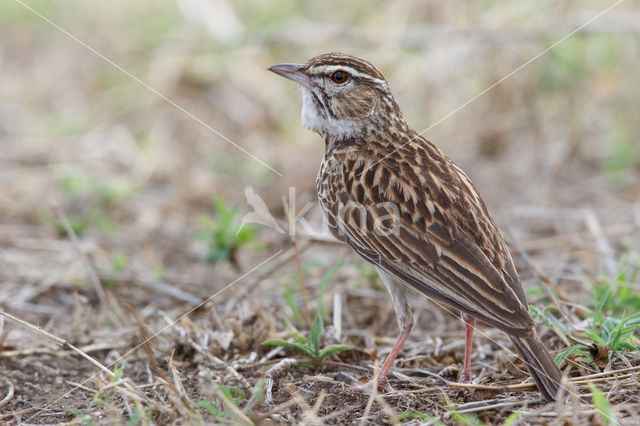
[(404, 206)]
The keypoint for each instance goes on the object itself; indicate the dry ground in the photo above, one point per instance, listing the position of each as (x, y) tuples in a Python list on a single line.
[(150, 332)]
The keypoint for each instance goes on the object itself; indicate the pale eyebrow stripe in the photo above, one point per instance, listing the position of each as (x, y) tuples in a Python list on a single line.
[(332, 68)]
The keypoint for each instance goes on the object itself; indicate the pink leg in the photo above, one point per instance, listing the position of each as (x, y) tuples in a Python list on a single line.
[(470, 323), (398, 292), (383, 381)]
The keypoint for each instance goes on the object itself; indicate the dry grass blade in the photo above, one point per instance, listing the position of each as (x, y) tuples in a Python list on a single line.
[(144, 335), (83, 387), (179, 390), (498, 405), (61, 342), (620, 374), (374, 396), (606, 374), (9, 394), (109, 304)]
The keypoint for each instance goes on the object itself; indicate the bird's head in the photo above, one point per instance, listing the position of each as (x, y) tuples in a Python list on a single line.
[(342, 96)]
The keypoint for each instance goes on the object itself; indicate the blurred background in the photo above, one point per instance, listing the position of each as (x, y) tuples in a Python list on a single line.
[(74, 121), (120, 120), (126, 114)]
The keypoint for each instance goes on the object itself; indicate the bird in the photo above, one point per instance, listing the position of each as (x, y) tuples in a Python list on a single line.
[(401, 204)]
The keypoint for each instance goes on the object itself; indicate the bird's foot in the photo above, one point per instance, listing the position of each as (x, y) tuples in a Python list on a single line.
[(465, 377)]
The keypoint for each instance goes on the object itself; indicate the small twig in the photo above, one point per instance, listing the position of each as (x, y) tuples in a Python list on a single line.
[(319, 402), (505, 388), (147, 367), (344, 365), (273, 373), (176, 392), (81, 386), (372, 396), (142, 329), (177, 384), (605, 374), (61, 342), (485, 402), (131, 391), (498, 405), (431, 374), (337, 315), (19, 413), (9, 395), (32, 351), (623, 373)]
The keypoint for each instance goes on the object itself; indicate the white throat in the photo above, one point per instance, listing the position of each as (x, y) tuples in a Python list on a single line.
[(325, 126)]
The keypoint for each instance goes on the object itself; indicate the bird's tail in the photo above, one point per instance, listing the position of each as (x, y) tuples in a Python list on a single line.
[(544, 370)]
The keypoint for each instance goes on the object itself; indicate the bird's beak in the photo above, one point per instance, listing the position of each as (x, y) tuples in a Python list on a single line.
[(292, 72)]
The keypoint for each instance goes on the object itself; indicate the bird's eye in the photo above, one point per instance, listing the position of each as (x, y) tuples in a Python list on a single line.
[(339, 77)]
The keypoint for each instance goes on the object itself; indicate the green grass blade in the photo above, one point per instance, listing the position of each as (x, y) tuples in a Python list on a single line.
[(295, 334), (604, 407), (411, 415), (579, 348), (291, 345), (512, 418), (332, 349), (316, 331), (595, 337)]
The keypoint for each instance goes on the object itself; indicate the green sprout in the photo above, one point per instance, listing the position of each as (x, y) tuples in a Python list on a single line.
[(224, 235), (461, 418), (103, 398), (602, 405), (310, 347), (232, 398), (417, 415), (214, 408), (613, 334), (610, 330)]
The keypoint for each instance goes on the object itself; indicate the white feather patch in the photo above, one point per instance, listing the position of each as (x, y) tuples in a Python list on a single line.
[(314, 119)]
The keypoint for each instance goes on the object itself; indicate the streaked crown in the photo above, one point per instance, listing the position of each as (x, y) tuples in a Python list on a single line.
[(343, 96)]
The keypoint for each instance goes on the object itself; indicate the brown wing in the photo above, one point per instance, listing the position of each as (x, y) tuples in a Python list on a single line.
[(416, 215)]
